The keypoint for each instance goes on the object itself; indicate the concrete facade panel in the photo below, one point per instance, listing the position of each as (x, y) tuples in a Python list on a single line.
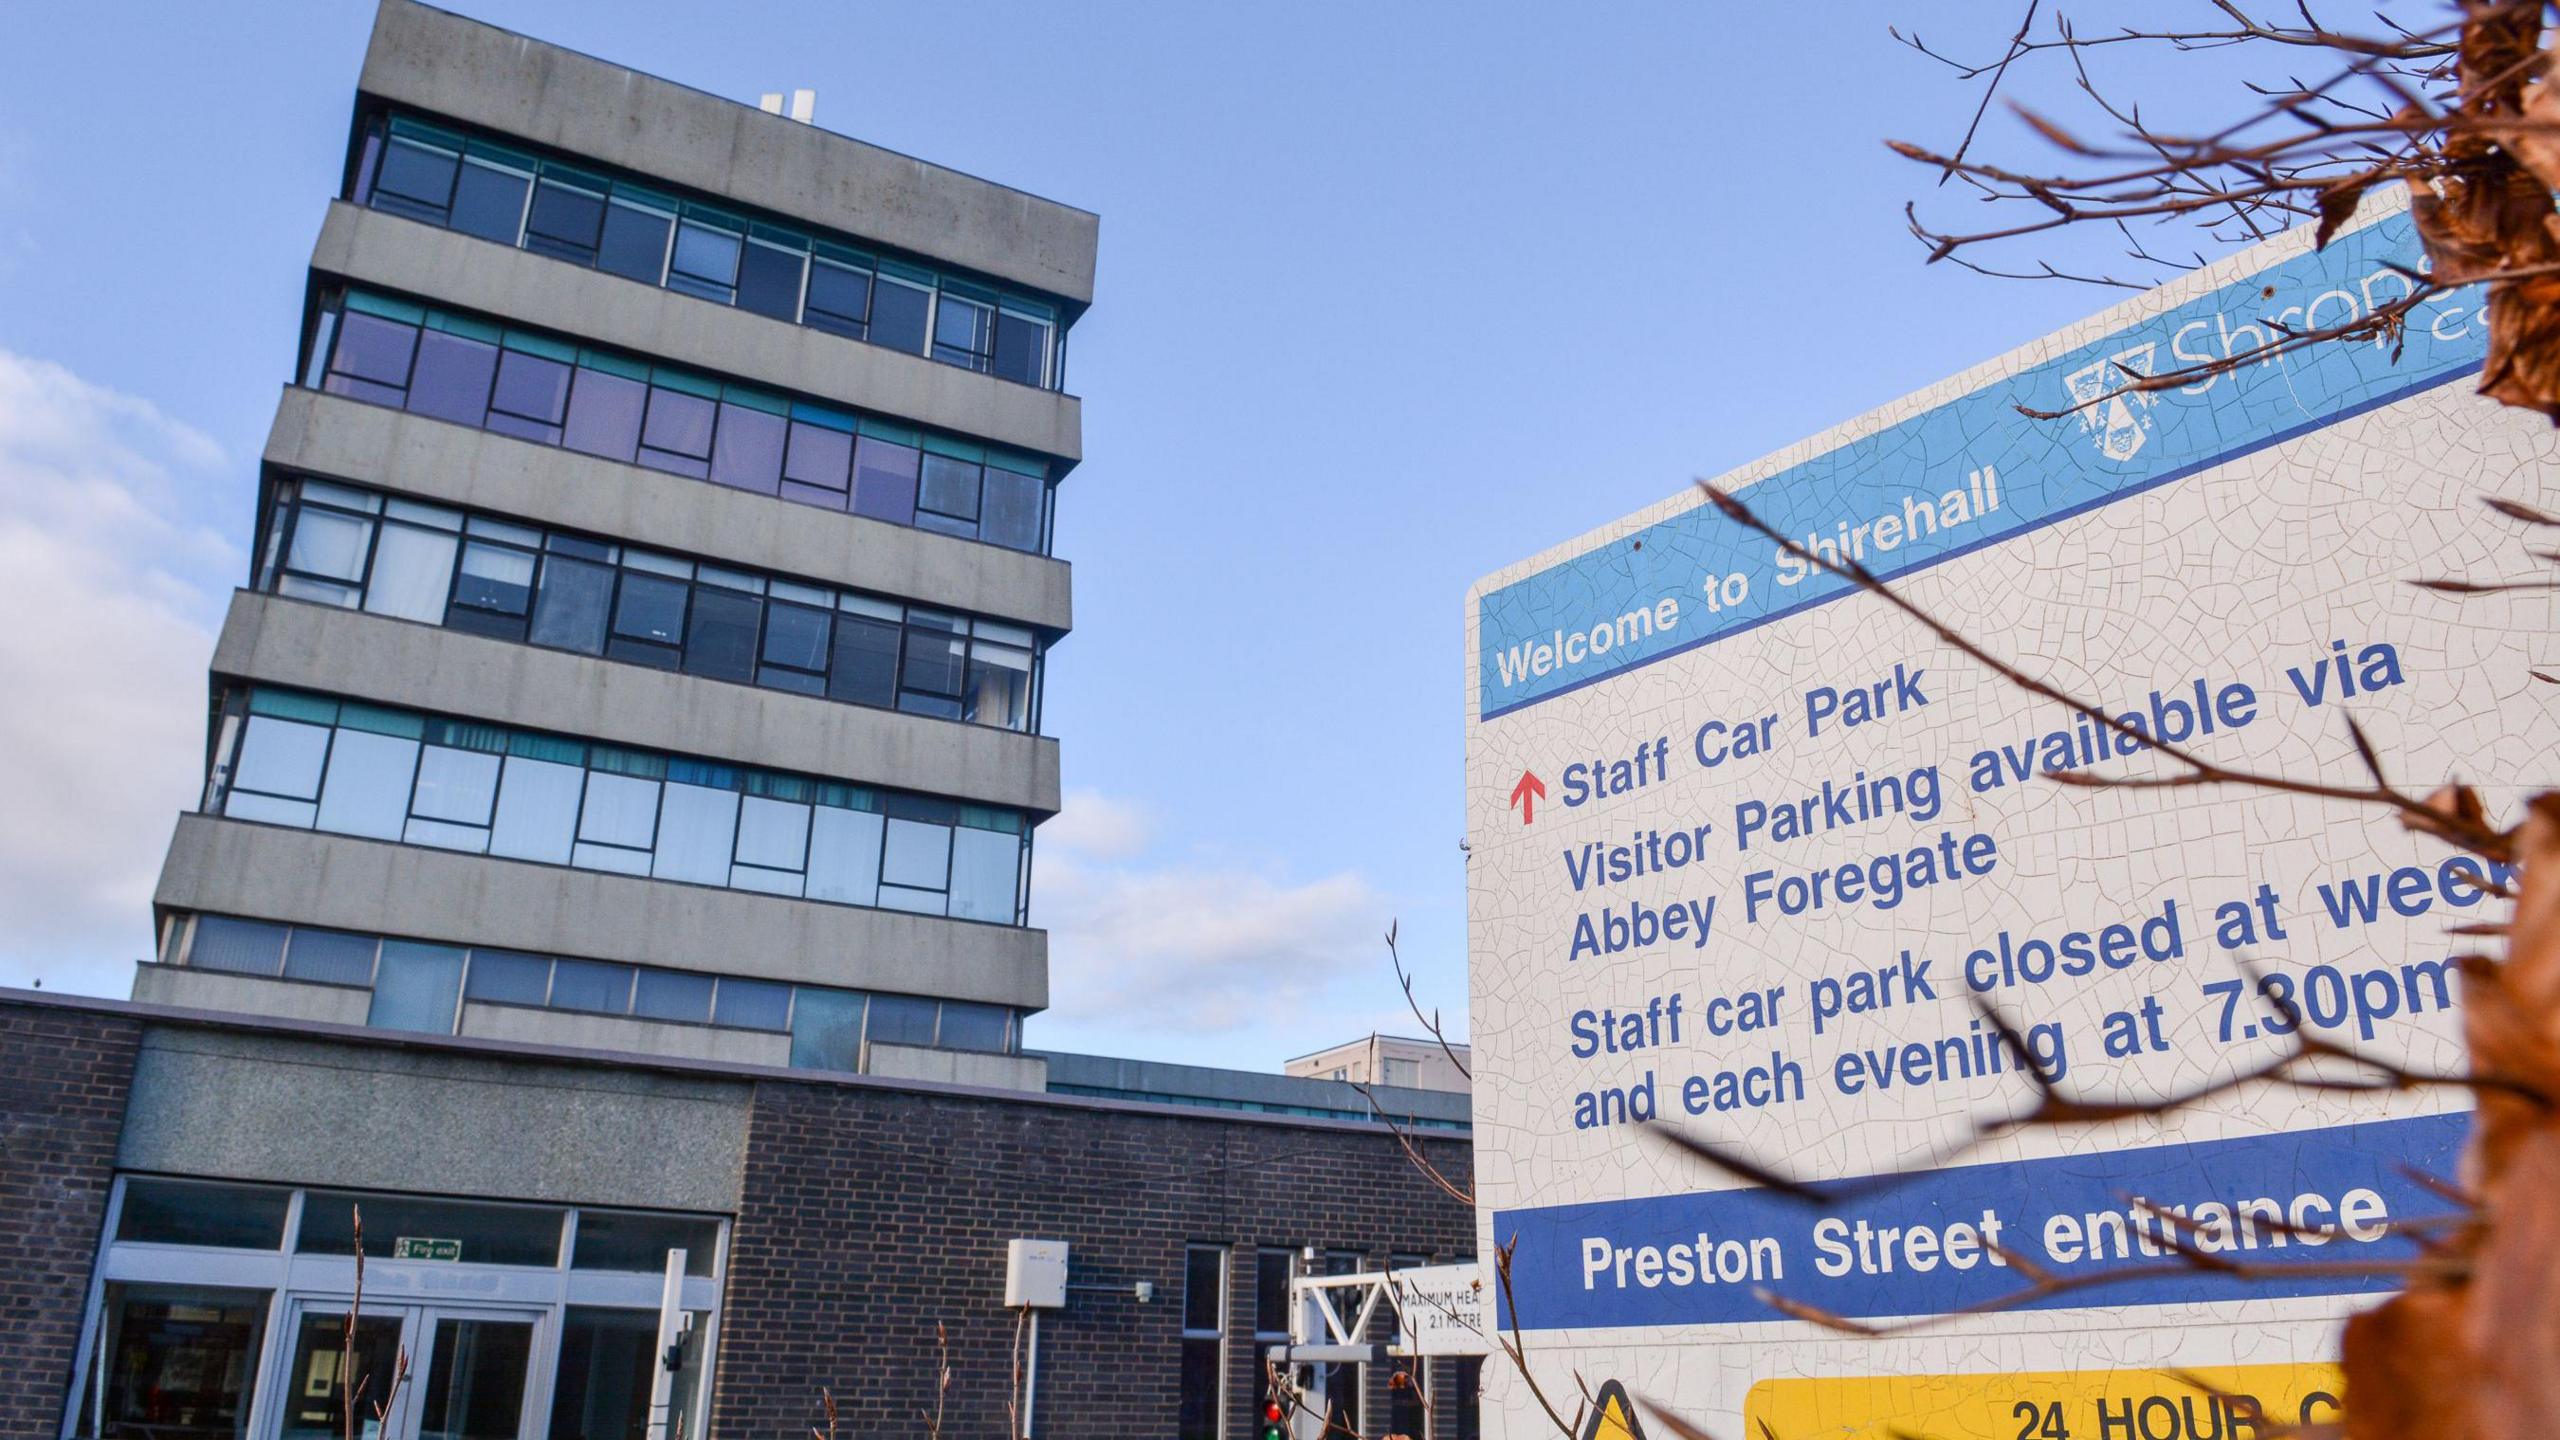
[(229, 867), (273, 640), (344, 439), (428, 263), (623, 1035), (193, 989), (445, 64), (972, 1068), (277, 1108)]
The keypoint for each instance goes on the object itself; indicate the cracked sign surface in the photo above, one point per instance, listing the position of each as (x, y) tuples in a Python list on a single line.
[(1754, 856)]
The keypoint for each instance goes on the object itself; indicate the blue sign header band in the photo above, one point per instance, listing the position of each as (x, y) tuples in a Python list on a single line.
[(1974, 471), (1923, 1245)]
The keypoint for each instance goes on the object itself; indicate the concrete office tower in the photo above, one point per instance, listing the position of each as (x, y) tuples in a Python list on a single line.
[(651, 589)]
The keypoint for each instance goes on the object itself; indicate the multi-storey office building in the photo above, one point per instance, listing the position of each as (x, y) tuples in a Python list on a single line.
[(612, 877), (651, 587)]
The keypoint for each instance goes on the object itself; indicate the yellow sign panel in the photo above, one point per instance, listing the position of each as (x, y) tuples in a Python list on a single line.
[(1612, 1417), (2215, 1402)]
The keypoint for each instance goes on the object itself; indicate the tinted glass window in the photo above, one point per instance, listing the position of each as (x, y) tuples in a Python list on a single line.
[(569, 609), (898, 313), (884, 481), (773, 834), (839, 298), (755, 1004), (375, 349), (1272, 1271), (820, 459), (416, 180), (769, 281), (672, 995), (332, 956), (191, 1212), (797, 636), (985, 869), (591, 985), (747, 452), (973, 1027), (721, 640), (705, 263), (367, 792), (247, 947), (634, 243), (677, 434), (508, 978), (960, 331), (651, 607), (416, 988), (490, 1234), (1022, 348), (495, 577), (866, 661), (565, 221), (826, 1029), (900, 1020), (531, 397), (947, 492), (412, 571), (844, 856), (604, 415), (1011, 512), (452, 380), (537, 807), (489, 202), (456, 785), (613, 1240), (1204, 1284)]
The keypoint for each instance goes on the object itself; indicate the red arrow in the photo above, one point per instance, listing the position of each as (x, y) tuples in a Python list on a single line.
[(1526, 794)]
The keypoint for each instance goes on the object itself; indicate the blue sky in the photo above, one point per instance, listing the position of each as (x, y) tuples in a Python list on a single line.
[(1389, 296)]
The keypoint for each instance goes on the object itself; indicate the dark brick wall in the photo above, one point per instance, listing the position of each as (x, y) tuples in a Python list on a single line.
[(64, 1075), (870, 1216)]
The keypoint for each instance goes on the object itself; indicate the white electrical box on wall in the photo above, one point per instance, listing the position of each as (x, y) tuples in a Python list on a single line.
[(1035, 1273)]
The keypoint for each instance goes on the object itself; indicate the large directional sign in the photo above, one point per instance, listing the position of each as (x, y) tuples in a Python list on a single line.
[(1751, 850)]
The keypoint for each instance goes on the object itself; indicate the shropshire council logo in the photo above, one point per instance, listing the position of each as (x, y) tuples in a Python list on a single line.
[(2122, 421)]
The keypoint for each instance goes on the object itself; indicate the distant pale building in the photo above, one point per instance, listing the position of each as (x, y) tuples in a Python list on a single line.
[(1396, 1060)]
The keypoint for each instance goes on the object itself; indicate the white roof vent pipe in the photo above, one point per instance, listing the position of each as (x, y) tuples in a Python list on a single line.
[(804, 104)]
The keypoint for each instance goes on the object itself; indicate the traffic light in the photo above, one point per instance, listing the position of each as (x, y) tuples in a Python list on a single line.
[(1272, 1415)]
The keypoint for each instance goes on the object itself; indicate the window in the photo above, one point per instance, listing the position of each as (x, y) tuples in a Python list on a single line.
[(425, 987), (638, 1243), (547, 391), (1023, 336), (173, 1362), (418, 987), (197, 1212), (672, 995), (1407, 1073), (315, 763), (826, 1029), (1273, 1269), (1201, 1409), (901, 298), (769, 273), (491, 1234), (332, 957), (963, 329), (634, 242), (706, 256), (507, 978), (245, 947), (508, 196), (567, 218), (839, 296), (753, 1004)]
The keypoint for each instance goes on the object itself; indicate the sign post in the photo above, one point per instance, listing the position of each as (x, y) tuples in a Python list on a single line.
[(1794, 864)]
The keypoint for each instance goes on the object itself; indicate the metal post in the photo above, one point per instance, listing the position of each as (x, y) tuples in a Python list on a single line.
[(662, 1372)]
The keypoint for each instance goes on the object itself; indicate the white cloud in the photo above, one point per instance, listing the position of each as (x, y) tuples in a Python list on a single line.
[(110, 591), (1195, 947), (1096, 826)]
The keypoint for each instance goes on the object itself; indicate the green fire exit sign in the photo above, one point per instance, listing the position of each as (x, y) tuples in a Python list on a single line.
[(420, 1247)]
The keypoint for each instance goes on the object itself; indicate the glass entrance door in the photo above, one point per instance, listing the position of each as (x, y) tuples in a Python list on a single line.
[(468, 1373)]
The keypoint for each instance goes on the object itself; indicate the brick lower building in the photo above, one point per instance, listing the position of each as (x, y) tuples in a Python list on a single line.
[(173, 1185)]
